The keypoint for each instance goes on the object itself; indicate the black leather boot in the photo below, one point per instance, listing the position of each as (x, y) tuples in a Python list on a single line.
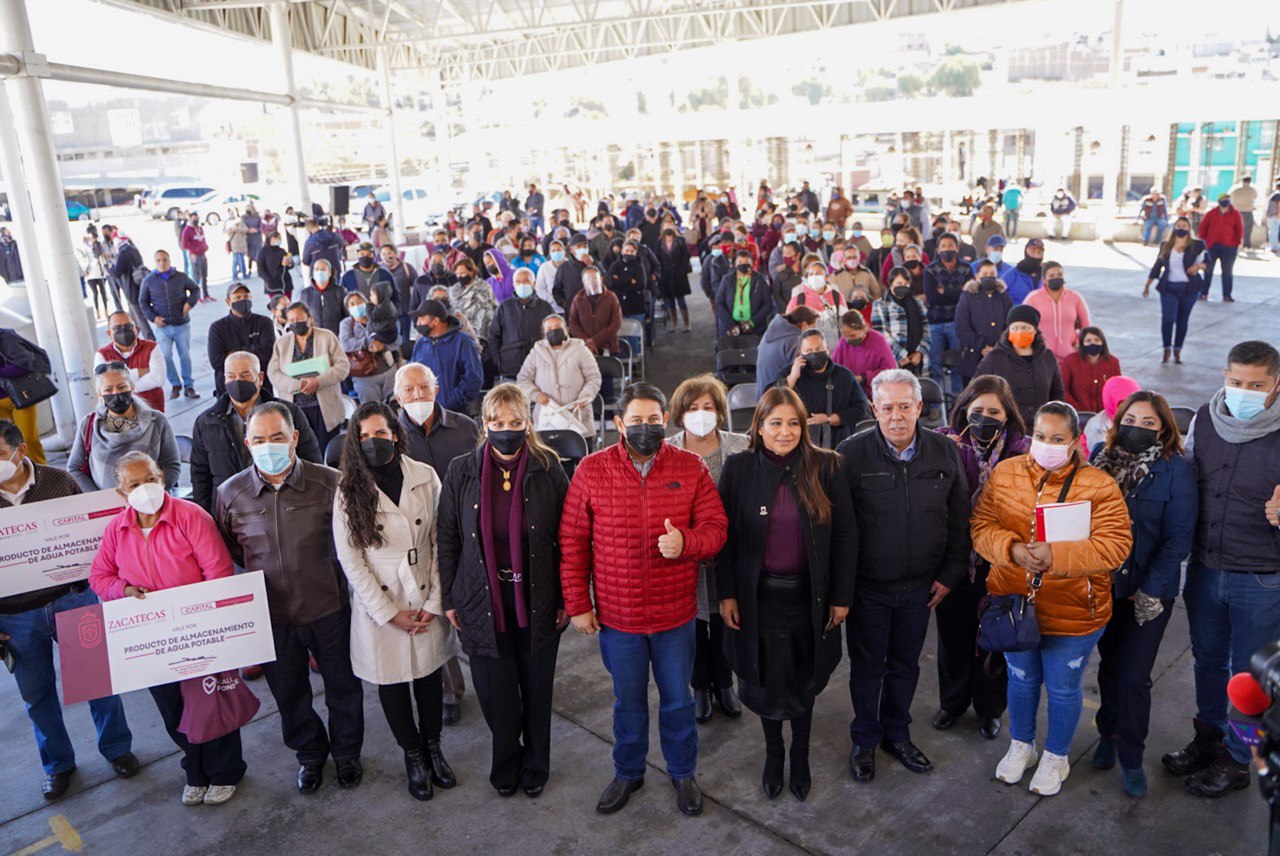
[(441, 772), (702, 711), (1198, 754), (415, 765)]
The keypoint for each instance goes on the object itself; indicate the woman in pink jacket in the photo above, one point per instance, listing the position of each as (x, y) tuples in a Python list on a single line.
[(160, 542), (1063, 312)]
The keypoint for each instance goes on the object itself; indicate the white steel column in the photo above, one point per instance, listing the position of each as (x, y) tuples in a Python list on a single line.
[(1113, 137), (64, 416), (393, 151), (297, 163), (48, 208)]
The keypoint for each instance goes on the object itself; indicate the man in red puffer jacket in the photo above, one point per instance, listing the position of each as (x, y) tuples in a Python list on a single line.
[(638, 519)]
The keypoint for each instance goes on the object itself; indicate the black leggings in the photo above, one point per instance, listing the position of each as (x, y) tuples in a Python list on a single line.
[(800, 728), (397, 704)]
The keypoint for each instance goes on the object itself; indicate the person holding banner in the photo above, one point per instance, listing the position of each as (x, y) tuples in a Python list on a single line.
[(161, 542), (384, 528), (122, 423), (1069, 579), (274, 517), (28, 629)]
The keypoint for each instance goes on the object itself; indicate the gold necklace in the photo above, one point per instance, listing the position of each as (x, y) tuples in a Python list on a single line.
[(506, 480)]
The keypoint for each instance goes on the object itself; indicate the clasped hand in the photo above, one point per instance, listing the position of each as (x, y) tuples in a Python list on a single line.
[(1036, 557)]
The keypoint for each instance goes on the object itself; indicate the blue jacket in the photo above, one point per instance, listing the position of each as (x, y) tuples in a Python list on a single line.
[(1021, 284), (351, 281), (323, 244), (455, 359), (163, 297), (1008, 275), (1163, 508)]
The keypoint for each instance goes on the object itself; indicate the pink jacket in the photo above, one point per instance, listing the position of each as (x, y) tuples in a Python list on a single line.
[(184, 548), (866, 360), (1060, 320)]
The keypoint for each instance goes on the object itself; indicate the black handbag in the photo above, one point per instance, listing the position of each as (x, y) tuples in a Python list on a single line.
[(33, 387), (29, 389), (1007, 622)]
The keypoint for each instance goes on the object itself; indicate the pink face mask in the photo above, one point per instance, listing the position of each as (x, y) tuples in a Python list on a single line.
[(1049, 456), (837, 258)]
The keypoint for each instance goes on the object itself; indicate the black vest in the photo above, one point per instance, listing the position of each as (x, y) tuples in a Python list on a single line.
[(1236, 480)]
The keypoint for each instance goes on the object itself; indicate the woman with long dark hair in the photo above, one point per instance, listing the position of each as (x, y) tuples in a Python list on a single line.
[(1177, 273), (988, 429), (1144, 454), (384, 527), (1087, 369), (785, 577), (500, 582)]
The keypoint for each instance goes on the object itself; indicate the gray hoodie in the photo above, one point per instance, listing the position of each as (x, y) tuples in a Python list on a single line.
[(778, 347), (152, 435)]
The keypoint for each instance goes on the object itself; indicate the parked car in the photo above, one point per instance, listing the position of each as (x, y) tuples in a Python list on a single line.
[(213, 207), (418, 211), (164, 202)]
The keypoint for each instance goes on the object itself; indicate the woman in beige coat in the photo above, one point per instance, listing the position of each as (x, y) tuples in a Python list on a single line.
[(318, 394), (384, 528), (560, 372)]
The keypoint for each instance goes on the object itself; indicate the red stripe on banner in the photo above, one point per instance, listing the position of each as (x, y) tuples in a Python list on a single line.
[(232, 601), (105, 512), (82, 654)]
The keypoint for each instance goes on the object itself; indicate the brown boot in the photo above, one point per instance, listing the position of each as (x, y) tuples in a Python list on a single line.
[(1177, 356), (1166, 357), (684, 314)]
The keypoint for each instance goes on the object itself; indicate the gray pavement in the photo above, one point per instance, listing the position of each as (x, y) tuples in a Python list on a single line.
[(957, 809)]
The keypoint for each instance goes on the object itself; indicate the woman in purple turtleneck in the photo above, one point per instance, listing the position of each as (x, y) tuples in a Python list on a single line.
[(785, 577)]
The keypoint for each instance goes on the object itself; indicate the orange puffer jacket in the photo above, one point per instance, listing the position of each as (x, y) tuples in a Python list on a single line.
[(1075, 599)]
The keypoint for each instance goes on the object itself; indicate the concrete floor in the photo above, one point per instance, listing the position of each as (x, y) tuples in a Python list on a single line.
[(957, 809)]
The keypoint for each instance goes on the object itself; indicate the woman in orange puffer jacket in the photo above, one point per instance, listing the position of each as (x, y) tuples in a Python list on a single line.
[(1073, 604)]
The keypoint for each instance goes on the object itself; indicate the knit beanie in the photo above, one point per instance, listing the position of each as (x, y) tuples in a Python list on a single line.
[(1024, 313)]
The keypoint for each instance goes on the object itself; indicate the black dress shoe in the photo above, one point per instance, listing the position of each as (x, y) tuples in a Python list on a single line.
[(1221, 777), (415, 766), (616, 795), (441, 772), (862, 763), (1196, 755), (990, 728), (729, 703), (943, 720), (533, 791), (688, 796), (126, 766), (771, 779), (452, 713), (909, 754), (506, 791), (801, 780), (310, 776), (350, 773), (702, 710), (56, 784)]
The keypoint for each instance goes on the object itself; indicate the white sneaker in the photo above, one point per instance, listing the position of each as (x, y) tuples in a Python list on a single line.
[(1050, 775), (1015, 763), (192, 795), (218, 794)]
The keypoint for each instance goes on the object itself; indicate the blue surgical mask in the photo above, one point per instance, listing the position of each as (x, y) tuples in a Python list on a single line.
[(557, 255), (1245, 403), (271, 458), (359, 310), (995, 256), (857, 233), (828, 236), (524, 292), (717, 252)]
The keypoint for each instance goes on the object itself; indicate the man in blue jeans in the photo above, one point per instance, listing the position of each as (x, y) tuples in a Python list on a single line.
[(638, 519), (1232, 591), (28, 630), (167, 298)]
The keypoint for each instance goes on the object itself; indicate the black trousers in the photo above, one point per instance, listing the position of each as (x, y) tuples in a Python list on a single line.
[(1126, 655), (514, 690), (397, 703), (218, 762), (710, 666), (316, 420), (329, 641), (962, 674), (886, 634)]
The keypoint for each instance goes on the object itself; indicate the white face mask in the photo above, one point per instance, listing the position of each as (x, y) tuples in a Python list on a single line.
[(8, 469), (147, 498), (419, 411), (700, 423), (816, 281)]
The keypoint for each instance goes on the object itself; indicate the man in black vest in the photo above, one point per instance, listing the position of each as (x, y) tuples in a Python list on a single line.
[(1232, 593)]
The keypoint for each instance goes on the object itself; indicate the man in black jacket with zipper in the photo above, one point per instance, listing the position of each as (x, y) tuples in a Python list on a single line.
[(911, 502), (239, 330)]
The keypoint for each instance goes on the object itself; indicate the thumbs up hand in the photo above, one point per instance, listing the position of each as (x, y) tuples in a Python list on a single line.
[(1273, 507), (671, 545)]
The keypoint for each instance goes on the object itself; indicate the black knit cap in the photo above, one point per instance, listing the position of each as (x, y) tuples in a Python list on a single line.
[(1023, 312)]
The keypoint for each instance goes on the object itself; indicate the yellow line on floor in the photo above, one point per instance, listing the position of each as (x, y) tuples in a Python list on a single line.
[(63, 833)]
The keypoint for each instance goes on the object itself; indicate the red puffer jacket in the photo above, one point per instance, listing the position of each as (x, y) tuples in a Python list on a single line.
[(609, 534)]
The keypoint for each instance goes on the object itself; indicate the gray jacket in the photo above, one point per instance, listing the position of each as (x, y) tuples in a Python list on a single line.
[(94, 452)]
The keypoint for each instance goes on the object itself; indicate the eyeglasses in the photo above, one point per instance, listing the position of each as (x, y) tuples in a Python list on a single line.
[(113, 366)]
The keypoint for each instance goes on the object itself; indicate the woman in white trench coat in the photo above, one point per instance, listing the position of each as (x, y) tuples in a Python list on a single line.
[(384, 526)]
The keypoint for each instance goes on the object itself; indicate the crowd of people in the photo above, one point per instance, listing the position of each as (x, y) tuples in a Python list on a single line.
[(434, 518)]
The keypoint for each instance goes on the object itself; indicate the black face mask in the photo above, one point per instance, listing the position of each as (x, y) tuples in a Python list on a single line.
[(378, 451), (989, 283), (947, 256), (985, 429), (423, 330), (1135, 439), (437, 269), (243, 307), (465, 279), (1181, 233), (526, 252), (645, 439), (816, 361), (555, 337), (858, 303), (300, 328), (1055, 284), (118, 402), (242, 391), (743, 268), (506, 442), (900, 292), (125, 338), (1093, 350), (564, 223), (366, 261), (912, 265)]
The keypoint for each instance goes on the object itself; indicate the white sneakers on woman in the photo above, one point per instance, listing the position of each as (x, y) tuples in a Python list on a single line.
[(1049, 776), (213, 795), (193, 795), (1015, 763)]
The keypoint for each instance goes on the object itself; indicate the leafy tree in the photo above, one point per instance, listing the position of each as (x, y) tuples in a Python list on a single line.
[(910, 85), (879, 93), (812, 89), (957, 78)]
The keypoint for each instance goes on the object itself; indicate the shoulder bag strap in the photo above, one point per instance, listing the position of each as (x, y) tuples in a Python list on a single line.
[(1038, 579)]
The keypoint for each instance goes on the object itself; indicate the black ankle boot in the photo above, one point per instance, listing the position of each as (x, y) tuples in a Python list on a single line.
[(441, 772), (419, 776), (771, 780), (1198, 754), (800, 778)]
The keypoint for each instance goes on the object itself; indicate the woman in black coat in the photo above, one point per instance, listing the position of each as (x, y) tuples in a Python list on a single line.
[(980, 318), (502, 594), (276, 275), (673, 280), (1021, 358), (627, 279), (785, 577)]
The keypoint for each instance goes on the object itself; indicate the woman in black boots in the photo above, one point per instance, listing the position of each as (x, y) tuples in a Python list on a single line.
[(784, 577)]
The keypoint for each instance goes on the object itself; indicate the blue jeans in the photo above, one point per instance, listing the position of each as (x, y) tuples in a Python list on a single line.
[(1273, 233), (1011, 222), (1058, 664), (942, 337), (1175, 313), (1226, 255), (1157, 224), (239, 271), (31, 637), (628, 657), (180, 335), (1230, 616), (537, 224)]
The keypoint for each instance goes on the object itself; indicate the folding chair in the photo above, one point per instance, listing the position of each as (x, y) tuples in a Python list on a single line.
[(742, 404), (737, 343), (934, 414), (570, 446), (1182, 417), (633, 329), (185, 445), (333, 451), (628, 359), (736, 366), (609, 367)]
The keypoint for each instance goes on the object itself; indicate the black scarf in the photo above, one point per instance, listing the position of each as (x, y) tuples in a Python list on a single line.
[(915, 321), (389, 478)]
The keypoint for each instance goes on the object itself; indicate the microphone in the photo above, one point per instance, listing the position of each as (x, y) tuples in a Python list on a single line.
[(1248, 702)]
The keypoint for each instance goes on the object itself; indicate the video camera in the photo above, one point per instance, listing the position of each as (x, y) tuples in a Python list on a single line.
[(1255, 719)]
